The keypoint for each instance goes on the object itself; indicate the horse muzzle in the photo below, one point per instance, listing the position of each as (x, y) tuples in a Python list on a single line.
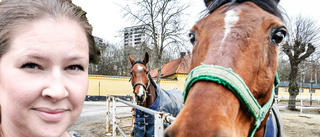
[(140, 98)]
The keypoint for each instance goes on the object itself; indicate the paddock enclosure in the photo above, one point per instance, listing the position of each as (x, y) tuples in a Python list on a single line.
[(159, 117)]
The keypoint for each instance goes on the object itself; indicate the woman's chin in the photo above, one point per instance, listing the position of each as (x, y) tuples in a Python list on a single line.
[(57, 132), (51, 129)]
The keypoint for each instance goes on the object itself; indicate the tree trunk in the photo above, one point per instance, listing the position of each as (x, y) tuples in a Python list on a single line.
[(292, 102), (293, 86), (159, 75), (159, 71)]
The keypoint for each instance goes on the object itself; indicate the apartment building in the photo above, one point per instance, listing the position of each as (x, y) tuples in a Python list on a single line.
[(135, 36)]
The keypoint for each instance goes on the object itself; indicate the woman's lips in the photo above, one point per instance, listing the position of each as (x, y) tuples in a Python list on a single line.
[(50, 115)]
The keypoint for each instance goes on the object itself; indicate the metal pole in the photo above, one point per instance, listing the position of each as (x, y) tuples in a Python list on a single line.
[(311, 92), (107, 116), (113, 117), (300, 92), (169, 119), (158, 124), (133, 111), (121, 132), (311, 98), (301, 104), (149, 111)]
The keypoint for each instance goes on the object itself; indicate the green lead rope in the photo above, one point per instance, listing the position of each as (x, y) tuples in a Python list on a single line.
[(233, 82)]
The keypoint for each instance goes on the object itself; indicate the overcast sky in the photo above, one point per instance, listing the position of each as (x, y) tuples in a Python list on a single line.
[(106, 17), (107, 20)]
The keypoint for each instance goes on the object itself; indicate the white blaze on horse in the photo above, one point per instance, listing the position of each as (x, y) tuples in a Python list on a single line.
[(149, 94), (229, 91)]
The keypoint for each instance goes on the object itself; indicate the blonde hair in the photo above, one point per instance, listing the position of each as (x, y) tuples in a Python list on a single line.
[(15, 13)]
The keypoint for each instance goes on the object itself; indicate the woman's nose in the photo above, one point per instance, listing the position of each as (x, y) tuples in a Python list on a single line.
[(55, 94), (55, 89)]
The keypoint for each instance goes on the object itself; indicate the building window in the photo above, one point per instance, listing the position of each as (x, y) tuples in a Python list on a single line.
[(286, 90), (313, 90), (138, 39)]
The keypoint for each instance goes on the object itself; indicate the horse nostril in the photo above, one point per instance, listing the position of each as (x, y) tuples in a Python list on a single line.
[(139, 98)]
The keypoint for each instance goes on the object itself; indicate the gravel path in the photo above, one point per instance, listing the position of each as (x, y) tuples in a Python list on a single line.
[(92, 120)]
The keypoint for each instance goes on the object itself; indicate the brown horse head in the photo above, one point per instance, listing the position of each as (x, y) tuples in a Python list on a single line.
[(243, 36), (139, 78)]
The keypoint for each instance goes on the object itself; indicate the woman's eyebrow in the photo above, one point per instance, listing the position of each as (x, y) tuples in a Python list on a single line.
[(75, 57), (36, 56)]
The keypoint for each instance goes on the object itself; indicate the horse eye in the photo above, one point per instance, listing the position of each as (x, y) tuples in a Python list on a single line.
[(277, 35), (131, 73), (192, 38)]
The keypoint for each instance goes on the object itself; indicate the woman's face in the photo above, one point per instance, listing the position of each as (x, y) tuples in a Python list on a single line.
[(44, 78)]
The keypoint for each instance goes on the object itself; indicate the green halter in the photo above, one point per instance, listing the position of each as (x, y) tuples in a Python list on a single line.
[(233, 82)]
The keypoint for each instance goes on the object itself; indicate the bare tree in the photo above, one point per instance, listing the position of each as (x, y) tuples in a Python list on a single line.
[(163, 19), (111, 59), (283, 68), (301, 43)]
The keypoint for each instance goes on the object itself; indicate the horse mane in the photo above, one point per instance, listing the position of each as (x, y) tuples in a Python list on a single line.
[(270, 6), (139, 61)]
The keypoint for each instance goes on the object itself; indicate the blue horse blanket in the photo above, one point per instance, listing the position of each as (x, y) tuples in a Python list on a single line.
[(169, 101), (273, 127)]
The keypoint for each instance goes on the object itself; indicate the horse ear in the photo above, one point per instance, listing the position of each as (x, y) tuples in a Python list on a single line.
[(146, 58), (207, 2), (131, 60)]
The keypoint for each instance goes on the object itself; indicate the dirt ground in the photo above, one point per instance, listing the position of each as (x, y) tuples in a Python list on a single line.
[(90, 126), (306, 124), (295, 124)]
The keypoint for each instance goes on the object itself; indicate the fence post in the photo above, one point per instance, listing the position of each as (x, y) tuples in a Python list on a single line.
[(158, 124), (107, 116), (113, 117), (133, 112), (159, 117)]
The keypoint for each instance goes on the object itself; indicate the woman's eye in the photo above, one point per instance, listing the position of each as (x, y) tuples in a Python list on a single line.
[(75, 67), (31, 66)]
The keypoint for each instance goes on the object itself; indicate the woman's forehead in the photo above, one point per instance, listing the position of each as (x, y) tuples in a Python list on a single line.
[(47, 37)]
